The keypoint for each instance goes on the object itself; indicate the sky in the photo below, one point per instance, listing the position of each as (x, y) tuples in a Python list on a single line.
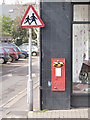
[(9, 2)]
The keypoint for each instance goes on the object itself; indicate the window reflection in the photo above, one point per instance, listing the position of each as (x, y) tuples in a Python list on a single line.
[(81, 58), (81, 12)]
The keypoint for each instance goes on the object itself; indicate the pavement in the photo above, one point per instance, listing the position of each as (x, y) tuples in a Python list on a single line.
[(72, 113), (17, 107), (76, 113)]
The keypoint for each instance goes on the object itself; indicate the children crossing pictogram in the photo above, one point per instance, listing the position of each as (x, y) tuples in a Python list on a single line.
[(31, 19), (27, 20)]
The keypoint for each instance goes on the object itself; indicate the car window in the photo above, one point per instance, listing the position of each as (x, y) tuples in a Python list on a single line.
[(6, 49), (34, 47), (15, 49), (1, 51), (19, 49), (24, 47)]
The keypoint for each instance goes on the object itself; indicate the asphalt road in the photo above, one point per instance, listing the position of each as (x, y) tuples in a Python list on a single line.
[(14, 77)]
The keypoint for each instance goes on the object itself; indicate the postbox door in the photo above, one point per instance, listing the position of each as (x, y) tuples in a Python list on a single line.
[(58, 74)]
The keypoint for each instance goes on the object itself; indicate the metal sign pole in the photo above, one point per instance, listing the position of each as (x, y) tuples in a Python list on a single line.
[(25, 23), (30, 81)]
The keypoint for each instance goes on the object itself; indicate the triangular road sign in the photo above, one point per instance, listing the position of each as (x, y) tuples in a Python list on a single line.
[(31, 19)]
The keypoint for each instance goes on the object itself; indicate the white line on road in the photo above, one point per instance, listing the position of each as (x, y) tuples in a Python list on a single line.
[(14, 70), (16, 96), (33, 75), (13, 98)]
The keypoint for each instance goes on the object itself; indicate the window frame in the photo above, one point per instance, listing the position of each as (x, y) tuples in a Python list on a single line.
[(77, 22)]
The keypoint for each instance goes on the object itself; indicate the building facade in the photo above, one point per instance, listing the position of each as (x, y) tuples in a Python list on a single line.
[(67, 36), (5, 38)]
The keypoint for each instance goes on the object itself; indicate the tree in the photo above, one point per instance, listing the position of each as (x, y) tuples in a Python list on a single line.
[(13, 28), (5, 25), (18, 32), (34, 35)]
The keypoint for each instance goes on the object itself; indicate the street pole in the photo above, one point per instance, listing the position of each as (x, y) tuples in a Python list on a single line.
[(30, 81)]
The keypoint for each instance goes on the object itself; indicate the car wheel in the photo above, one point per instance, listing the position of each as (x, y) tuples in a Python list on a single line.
[(10, 59), (5, 62), (23, 56), (34, 54), (2, 60), (17, 58)]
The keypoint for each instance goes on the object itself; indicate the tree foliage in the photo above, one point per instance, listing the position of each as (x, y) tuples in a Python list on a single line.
[(5, 25), (17, 31), (34, 35), (13, 28)]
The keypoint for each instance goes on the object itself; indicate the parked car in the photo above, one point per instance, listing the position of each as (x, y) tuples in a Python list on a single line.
[(13, 46), (25, 47), (18, 50), (12, 53), (4, 56), (35, 50), (24, 54)]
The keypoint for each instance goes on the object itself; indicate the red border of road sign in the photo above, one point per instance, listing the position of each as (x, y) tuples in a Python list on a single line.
[(31, 26)]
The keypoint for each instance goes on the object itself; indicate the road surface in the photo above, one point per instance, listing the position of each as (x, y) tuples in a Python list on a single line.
[(14, 80)]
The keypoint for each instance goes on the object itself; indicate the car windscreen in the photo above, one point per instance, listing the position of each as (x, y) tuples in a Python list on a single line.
[(15, 50), (6, 50), (24, 47), (1, 51)]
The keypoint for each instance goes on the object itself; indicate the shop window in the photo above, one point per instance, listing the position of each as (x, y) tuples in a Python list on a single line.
[(81, 13), (81, 50)]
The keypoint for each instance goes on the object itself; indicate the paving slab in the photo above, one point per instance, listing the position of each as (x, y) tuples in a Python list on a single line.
[(72, 113)]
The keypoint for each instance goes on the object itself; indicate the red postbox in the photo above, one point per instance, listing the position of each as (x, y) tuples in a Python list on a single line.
[(58, 74)]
